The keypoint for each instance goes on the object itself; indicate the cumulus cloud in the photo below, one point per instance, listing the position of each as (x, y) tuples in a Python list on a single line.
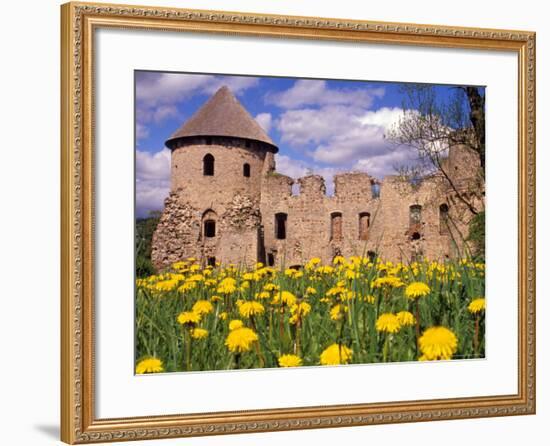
[(345, 136), (264, 119), (152, 180), (315, 92), (158, 94)]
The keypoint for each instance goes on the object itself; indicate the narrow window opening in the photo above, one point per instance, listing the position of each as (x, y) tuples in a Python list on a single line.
[(444, 219), (270, 259), (364, 224), (415, 236), (280, 226), (209, 228), (415, 215), (211, 261), (208, 165), (336, 226), (375, 189), (246, 170)]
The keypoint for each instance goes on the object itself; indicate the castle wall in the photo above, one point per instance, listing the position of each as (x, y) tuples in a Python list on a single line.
[(354, 221)]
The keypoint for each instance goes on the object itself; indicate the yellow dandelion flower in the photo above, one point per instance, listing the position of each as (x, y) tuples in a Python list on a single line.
[(215, 298), (227, 286), (199, 333), (262, 295), (477, 305), (189, 318), (187, 286), (247, 309), (336, 354), (301, 309), (149, 365), (203, 307), (285, 297), (337, 312), (388, 323), (310, 290), (240, 340), (387, 281), (248, 276), (271, 287), (350, 274), (235, 324), (196, 278), (338, 260), (416, 290), (166, 285), (326, 269), (223, 315), (406, 318), (437, 343), (290, 361)]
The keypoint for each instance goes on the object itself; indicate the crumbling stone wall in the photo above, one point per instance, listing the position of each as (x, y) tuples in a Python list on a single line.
[(316, 225)]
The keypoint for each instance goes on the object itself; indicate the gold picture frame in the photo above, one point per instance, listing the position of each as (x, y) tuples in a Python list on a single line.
[(78, 24)]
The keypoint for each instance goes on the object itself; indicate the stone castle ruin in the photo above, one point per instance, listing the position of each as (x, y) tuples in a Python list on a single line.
[(228, 203)]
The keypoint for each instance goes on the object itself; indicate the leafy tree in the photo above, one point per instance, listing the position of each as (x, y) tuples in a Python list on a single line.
[(145, 227)]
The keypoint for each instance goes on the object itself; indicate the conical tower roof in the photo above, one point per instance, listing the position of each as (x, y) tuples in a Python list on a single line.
[(222, 115)]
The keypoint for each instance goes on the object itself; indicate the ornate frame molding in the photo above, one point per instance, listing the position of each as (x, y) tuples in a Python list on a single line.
[(79, 20)]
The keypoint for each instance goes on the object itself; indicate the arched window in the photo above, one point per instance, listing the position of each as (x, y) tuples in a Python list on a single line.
[(415, 215), (364, 224), (246, 169), (336, 226), (280, 226), (444, 219), (208, 165), (209, 219)]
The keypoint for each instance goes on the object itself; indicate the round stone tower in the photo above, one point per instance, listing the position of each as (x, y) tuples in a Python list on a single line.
[(213, 210)]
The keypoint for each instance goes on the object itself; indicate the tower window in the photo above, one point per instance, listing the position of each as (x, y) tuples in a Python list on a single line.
[(211, 261), (208, 165), (210, 228), (270, 259), (375, 189), (246, 169), (280, 226), (364, 224), (336, 226), (443, 219), (415, 215)]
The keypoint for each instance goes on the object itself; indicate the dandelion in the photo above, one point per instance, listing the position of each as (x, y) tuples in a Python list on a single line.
[(248, 309), (202, 307), (227, 286), (477, 305), (387, 282), (199, 333), (338, 260), (285, 297), (301, 309), (388, 323), (290, 361), (416, 290), (336, 354), (437, 343), (235, 324), (310, 290), (149, 365), (189, 318), (405, 318), (223, 315), (338, 311), (240, 340)]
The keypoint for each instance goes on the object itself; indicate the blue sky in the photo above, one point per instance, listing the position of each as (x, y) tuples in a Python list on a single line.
[(320, 126)]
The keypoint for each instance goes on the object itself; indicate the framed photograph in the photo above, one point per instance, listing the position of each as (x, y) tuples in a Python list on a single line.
[(275, 223)]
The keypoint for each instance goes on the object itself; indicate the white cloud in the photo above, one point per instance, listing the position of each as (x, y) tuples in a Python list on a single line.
[(346, 136), (265, 120), (315, 92), (152, 180), (157, 94)]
